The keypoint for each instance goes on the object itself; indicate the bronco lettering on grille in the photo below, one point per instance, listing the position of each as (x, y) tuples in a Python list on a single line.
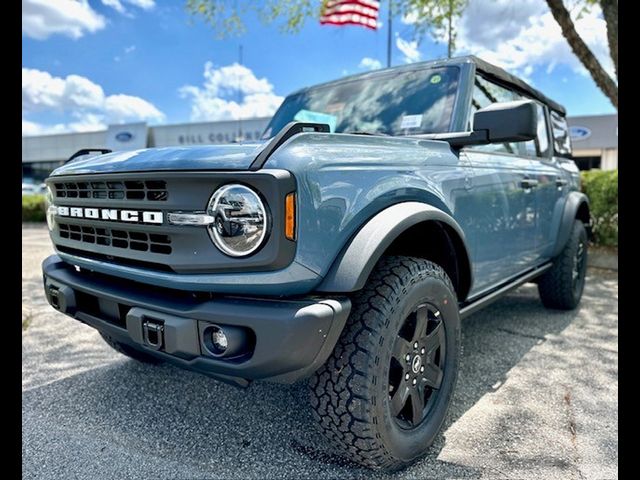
[(112, 214)]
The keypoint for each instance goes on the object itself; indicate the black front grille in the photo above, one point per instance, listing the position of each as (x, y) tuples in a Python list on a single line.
[(118, 238), (161, 246), (151, 190)]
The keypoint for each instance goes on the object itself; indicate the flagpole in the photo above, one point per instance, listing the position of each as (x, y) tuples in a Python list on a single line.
[(389, 37)]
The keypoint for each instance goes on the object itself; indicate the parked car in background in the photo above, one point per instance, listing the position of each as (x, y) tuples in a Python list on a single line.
[(28, 189), (378, 211)]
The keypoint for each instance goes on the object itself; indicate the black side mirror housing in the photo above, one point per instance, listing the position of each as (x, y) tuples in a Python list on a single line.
[(499, 122), (507, 121)]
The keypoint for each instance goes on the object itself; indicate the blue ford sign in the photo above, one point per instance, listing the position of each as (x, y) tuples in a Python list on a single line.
[(124, 136), (579, 133)]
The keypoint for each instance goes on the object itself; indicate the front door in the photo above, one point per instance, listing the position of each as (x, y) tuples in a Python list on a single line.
[(501, 201)]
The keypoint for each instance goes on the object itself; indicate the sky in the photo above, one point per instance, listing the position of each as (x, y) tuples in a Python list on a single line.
[(90, 63)]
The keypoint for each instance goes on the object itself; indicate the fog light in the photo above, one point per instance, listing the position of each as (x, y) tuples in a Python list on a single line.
[(225, 341), (219, 340)]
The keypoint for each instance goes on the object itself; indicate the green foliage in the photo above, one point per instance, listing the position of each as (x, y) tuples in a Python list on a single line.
[(602, 189), (225, 16), (33, 209), (431, 17)]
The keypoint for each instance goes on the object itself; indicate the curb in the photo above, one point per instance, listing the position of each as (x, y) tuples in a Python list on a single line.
[(603, 259)]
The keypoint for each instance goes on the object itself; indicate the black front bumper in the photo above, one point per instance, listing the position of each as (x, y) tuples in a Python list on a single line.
[(288, 339)]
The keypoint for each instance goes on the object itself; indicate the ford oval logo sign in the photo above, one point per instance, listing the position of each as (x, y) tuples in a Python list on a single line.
[(579, 133), (124, 136)]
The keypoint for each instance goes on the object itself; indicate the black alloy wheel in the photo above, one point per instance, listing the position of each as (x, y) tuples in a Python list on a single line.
[(578, 273), (416, 370)]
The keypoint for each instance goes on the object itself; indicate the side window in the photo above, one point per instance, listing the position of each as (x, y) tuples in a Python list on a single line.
[(540, 146), (485, 93), (561, 139)]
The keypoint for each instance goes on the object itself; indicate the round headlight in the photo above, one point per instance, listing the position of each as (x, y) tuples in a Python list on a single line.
[(239, 220), (49, 208)]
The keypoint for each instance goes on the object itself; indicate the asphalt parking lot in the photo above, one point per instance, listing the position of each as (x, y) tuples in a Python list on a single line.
[(537, 397)]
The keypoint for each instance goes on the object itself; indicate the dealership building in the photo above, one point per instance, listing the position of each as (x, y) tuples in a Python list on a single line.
[(594, 138)]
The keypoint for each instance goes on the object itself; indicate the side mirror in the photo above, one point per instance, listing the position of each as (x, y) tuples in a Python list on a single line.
[(497, 123), (507, 121)]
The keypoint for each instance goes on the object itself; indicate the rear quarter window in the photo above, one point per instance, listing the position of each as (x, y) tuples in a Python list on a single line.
[(561, 138)]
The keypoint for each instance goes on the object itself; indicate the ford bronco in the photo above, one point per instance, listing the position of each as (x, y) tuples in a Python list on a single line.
[(344, 247)]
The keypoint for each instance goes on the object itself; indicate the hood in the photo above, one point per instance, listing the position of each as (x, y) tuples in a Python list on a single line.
[(237, 156)]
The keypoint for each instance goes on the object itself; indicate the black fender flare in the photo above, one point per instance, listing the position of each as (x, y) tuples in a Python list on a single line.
[(575, 201), (351, 269)]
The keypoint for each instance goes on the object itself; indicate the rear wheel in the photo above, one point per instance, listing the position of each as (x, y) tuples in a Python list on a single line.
[(382, 396), (129, 351), (562, 285)]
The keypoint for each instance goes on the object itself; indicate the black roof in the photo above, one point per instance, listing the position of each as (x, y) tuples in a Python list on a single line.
[(487, 69), (503, 76)]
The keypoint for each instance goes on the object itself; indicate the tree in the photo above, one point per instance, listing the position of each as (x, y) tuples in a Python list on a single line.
[(583, 52), (434, 17), (225, 16)]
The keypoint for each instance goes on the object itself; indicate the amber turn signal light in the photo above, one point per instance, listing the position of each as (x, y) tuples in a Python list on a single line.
[(290, 216)]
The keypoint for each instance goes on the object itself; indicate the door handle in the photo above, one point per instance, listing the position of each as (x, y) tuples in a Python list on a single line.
[(561, 182), (528, 183)]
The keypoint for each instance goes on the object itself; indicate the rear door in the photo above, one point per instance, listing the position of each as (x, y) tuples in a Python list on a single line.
[(552, 185)]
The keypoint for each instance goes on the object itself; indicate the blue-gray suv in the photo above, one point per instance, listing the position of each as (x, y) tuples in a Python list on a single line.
[(345, 247)]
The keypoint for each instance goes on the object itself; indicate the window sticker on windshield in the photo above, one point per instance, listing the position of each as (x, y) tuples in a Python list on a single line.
[(334, 107), (411, 121), (435, 79), (317, 117)]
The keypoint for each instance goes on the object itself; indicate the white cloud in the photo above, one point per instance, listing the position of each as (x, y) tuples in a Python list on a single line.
[(409, 49), (115, 4), (73, 18), (86, 123), (30, 128), (229, 93), (144, 4), (370, 63), (122, 108), (119, 7), (42, 91), (521, 36), (79, 98)]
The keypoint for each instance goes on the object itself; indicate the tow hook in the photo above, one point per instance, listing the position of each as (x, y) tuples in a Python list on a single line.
[(53, 297), (153, 333)]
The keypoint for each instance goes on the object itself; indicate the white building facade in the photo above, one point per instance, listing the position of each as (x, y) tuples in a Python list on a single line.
[(41, 154)]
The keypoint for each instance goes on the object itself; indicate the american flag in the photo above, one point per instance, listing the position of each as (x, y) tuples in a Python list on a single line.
[(351, 12)]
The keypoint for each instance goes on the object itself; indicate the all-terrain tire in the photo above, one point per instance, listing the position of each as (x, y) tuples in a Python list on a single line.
[(561, 286), (350, 394), (128, 351)]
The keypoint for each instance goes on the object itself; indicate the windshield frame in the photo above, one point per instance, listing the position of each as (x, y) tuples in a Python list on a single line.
[(380, 76)]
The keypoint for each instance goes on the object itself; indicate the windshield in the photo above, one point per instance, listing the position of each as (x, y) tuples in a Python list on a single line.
[(399, 103)]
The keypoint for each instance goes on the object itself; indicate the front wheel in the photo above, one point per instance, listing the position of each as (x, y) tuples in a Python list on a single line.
[(383, 394)]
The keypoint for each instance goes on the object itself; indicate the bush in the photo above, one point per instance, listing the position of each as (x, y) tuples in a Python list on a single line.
[(33, 209), (602, 189)]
